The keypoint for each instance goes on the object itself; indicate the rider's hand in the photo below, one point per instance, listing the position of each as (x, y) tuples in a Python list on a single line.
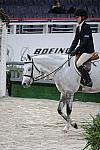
[(69, 51), (73, 53)]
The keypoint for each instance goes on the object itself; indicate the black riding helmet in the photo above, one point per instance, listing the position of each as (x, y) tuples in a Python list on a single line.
[(81, 12)]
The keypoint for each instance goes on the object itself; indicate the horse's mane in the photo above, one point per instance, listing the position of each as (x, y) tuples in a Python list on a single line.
[(54, 59), (53, 56)]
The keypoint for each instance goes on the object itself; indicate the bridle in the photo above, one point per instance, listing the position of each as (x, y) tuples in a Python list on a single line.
[(41, 76), (33, 66)]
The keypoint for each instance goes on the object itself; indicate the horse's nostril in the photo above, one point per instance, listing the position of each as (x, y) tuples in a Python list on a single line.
[(24, 84)]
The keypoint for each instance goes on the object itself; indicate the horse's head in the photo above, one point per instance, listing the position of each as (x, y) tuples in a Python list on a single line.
[(30, 72)]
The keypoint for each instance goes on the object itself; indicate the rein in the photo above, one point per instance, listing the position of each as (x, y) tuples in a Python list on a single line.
[(42, 77)]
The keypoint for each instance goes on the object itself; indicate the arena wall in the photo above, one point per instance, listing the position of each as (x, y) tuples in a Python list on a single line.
[(22, 44), (48, 91)]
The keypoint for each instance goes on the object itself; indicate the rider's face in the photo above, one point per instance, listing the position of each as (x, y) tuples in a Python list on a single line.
[(78, 19)]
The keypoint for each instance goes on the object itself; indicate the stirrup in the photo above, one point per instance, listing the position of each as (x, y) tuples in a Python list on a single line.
[(89, 84), (86, 83)]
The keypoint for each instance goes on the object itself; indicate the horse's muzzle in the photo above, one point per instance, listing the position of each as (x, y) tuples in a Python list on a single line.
[(25, 85)]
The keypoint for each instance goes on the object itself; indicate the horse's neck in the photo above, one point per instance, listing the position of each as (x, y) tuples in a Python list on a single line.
[(66, 75), (49, 63)]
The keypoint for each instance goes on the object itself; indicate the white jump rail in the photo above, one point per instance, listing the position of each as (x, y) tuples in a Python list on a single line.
[(3, 51)]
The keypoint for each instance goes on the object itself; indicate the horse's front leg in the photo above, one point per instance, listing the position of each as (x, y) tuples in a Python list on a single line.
[(69, 102), (61, 105)]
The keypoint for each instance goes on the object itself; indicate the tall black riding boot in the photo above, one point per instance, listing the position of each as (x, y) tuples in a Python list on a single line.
[(86, 77)]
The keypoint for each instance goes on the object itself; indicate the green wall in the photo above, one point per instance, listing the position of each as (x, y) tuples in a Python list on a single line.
[(48, 91), (40, 90)]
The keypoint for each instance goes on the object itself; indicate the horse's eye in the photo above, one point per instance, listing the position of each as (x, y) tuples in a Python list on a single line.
[(29, 69)]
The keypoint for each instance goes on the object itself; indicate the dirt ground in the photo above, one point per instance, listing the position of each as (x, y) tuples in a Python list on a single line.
[(33, 124)]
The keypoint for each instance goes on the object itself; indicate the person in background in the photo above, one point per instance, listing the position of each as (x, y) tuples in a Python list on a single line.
[(4, 17), (71, 10), (56, 8), (82, 44), (8, 82)]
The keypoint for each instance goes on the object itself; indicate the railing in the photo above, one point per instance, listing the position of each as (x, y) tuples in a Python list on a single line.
[(48, 27)]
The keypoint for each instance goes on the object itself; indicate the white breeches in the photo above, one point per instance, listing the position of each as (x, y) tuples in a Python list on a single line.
[(83, 58)]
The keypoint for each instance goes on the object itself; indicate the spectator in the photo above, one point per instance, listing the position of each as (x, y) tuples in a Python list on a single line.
[(4, 17), (56, 8), (71, 10), (8, 82)]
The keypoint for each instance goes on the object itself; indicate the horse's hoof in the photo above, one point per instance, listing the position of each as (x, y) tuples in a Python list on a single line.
[(75, 126), (65, 129)]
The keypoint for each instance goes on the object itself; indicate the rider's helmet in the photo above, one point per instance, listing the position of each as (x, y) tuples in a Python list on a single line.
[(81, 12)]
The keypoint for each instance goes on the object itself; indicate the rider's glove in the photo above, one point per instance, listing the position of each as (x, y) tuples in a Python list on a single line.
[(73, 53), (69, 51)]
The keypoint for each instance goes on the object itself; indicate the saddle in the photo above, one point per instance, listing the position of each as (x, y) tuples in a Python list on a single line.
[(87, 64)]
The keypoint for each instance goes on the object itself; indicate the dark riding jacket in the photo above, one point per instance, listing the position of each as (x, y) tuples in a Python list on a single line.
[(85, 40)]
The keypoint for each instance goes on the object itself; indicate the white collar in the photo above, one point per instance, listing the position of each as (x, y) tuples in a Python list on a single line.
[(80, 25)]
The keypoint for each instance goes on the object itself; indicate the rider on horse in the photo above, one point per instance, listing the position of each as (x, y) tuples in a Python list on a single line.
[(82, 44)]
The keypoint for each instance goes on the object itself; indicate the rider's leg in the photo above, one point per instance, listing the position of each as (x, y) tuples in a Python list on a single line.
[(85, 75), (83, 58)]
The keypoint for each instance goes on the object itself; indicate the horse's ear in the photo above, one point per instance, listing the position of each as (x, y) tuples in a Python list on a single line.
[(28, 56)]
